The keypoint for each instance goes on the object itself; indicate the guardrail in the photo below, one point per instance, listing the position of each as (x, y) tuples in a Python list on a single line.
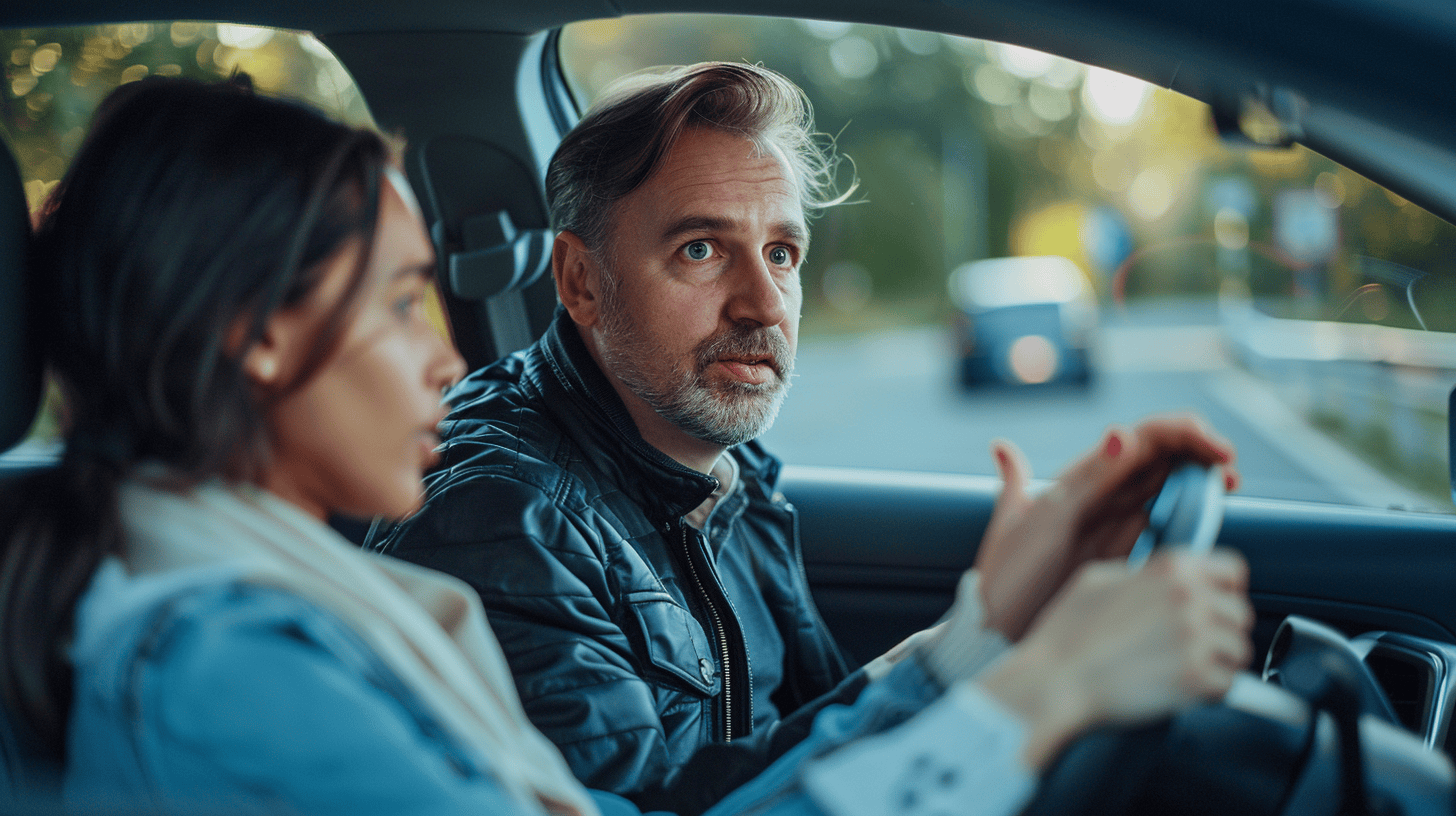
[(1327, 341), (1382, 391)]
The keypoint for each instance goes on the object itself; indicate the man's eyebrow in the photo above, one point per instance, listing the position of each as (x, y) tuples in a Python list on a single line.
[(694, 223), (792, 231), (795, 232)]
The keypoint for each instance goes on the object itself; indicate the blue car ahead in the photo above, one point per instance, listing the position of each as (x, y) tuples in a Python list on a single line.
[(1024, 321)]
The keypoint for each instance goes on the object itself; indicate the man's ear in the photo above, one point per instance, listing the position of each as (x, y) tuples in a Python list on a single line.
[(578, 278)]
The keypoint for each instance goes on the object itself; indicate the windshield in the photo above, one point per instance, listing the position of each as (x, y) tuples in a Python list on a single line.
[(1303, 309)]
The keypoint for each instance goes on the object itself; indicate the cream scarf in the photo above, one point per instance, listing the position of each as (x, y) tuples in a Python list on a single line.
[(428, 627)]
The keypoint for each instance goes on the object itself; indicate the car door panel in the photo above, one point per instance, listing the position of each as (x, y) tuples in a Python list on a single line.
[(883, 551)]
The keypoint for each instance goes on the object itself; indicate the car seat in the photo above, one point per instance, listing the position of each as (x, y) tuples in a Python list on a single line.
[(489, 225), (20, 367), (26, 783)]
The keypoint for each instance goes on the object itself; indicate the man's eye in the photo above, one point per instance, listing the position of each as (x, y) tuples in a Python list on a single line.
[(779, 256), (698, 250)]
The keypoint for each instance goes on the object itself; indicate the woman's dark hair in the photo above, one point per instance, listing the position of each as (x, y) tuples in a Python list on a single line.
[(192, 213)]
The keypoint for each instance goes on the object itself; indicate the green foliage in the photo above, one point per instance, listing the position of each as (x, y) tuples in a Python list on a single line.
[(54, 78)]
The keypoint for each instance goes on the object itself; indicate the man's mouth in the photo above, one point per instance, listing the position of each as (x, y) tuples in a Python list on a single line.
[(747, 355), (755, 370)]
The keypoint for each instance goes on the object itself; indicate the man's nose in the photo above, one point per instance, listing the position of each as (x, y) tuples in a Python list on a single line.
[(758, 296)]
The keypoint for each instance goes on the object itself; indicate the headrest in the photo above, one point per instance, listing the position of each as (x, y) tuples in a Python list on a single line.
[(20, 365), (490, 229)]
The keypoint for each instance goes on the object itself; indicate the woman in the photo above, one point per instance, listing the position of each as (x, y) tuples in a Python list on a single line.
[(232, 290)]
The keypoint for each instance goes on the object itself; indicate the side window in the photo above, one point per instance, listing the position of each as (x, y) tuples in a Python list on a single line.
[(1040, 248), (54, 78)]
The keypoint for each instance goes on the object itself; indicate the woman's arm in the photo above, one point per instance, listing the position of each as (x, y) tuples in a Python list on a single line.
[(246, 699)]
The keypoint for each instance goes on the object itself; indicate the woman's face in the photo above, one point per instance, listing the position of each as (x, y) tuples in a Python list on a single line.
[(358, 435)]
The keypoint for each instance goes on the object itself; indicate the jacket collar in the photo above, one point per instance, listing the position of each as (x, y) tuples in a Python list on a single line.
[(602, 424)]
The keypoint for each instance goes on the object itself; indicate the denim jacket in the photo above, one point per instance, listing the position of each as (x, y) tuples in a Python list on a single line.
[(196, 692)]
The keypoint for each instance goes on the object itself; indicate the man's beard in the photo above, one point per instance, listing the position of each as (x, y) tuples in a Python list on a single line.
[(723, 412)]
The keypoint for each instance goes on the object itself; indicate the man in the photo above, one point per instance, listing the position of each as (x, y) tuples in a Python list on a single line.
[(603, 491)]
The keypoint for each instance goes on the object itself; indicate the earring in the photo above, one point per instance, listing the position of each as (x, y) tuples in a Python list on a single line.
[(267, 369)]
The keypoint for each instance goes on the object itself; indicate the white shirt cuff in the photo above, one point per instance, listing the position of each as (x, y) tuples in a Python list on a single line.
[(960, 756), (966, 647)]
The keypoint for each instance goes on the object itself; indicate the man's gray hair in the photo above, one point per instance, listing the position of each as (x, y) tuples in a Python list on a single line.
[(628, 133)]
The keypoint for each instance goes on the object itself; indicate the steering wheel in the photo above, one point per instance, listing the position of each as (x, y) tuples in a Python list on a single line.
[(1187, 512), (1263, 749)]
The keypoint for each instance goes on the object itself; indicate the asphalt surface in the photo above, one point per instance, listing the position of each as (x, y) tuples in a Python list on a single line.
[(890, 400)]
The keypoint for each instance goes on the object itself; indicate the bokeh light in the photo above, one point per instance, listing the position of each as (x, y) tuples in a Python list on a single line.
[(243, 36), (1023, 62), (854, 57), (1033, 359), (1115, 99), (1151, 193)]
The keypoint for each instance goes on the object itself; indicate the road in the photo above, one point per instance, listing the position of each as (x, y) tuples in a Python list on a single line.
[(889, 400)]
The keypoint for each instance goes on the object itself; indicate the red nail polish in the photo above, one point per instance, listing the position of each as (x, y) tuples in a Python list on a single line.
[(1114, 445)]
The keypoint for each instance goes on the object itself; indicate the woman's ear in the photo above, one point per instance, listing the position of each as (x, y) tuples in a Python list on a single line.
[(261, 365), (267, 360), (578, 278)]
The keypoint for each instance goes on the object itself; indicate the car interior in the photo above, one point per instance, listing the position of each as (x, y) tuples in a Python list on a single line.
[(478, 89)]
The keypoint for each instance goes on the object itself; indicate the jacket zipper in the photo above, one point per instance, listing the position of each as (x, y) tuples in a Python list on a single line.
[(720, 634)]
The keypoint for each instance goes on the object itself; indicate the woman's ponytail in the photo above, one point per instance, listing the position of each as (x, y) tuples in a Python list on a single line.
[(62, 522)]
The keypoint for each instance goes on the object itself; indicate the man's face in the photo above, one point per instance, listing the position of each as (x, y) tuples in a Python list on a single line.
[(700, 295)]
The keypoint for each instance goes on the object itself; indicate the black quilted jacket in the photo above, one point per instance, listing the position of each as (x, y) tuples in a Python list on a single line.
[(660, 662)]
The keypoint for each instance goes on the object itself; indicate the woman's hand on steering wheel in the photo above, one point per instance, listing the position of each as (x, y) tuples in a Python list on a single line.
[(1094, 510)]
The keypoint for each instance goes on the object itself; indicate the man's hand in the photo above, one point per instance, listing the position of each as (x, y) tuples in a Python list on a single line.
[(1121, 646), (1095, 510)]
